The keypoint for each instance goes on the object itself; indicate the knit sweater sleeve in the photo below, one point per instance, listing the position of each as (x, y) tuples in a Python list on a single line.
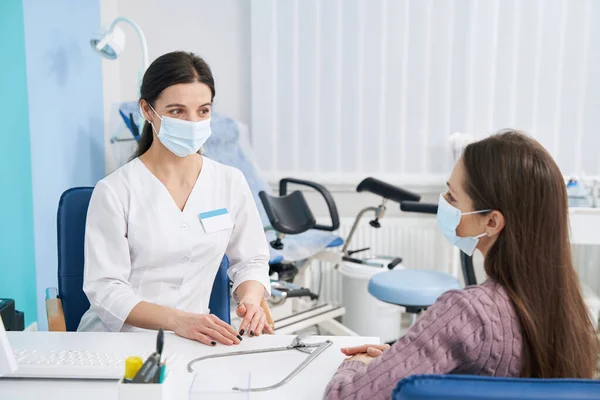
[(448, 335)]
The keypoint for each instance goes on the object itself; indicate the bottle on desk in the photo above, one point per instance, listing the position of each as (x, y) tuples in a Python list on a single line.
[(578, 195), (54, 311)]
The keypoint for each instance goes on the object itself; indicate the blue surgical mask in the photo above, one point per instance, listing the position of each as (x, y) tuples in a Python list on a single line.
[(449, 218), (182, 137)]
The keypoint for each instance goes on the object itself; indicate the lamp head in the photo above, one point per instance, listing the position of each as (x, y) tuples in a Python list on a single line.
[(109, 43)]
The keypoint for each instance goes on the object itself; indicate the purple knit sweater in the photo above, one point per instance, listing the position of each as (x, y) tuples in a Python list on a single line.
[(471, 331)]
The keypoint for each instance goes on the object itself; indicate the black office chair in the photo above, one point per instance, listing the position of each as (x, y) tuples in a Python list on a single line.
[(71, 217)]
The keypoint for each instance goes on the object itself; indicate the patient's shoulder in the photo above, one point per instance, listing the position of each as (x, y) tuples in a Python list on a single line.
[(489, 299)]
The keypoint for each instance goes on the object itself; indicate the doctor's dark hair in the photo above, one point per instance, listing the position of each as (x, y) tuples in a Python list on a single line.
[(168, 70), (531, 257)]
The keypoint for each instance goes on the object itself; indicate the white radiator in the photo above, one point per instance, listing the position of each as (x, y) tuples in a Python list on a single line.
[(417, 240)]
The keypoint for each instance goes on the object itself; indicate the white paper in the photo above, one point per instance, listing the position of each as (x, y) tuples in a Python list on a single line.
[(8, 363), (220, 385)]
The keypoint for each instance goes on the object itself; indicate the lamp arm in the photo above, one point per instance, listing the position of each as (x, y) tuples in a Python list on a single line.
[(140, 34)]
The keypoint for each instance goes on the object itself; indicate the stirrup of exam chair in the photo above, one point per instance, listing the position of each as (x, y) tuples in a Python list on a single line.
[(71, 218), (386, 192)]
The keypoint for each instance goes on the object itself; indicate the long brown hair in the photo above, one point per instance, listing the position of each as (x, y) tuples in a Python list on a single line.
[(531, 257)]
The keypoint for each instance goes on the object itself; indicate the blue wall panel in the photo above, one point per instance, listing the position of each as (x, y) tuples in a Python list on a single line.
[(65, 116), (17, 268)]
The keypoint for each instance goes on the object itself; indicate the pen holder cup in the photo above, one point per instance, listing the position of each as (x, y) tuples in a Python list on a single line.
[(146, 391)]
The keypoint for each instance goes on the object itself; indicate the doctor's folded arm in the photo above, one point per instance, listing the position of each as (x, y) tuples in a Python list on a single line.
[(158, 228)]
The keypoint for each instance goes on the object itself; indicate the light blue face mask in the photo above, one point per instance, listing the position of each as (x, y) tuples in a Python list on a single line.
[(449, 218), (182, 137)]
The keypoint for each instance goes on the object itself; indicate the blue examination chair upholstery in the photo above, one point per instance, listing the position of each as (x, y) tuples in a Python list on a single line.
[(411, 287), (465, 387), (71, 217)]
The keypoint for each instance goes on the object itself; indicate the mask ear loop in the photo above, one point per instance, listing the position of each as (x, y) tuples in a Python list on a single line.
[(144, 117), (476, 212), (153, 110)]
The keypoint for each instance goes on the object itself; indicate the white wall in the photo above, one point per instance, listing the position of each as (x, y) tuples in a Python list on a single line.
[(348, 88), (218, 31)]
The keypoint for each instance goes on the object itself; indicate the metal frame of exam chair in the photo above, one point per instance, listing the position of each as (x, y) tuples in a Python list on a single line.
[(472, 387), (291, 214), (71, 218)]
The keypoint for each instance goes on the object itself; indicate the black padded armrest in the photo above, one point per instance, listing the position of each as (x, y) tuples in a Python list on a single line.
[(333, 212), (386, 190), (415, 206)]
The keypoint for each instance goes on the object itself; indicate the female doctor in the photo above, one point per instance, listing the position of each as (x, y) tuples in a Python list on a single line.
[(158, 227)]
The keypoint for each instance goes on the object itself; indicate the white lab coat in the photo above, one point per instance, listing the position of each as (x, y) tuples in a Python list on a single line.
[(139, 246)]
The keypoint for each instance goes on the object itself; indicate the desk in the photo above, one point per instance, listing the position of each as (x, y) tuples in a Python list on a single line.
[(268, 368)]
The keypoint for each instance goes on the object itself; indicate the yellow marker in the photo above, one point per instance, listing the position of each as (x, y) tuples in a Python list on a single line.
[(132, 366)]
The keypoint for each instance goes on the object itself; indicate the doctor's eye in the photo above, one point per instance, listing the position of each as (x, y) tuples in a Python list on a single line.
[(176, 111), (204, 112), (449, 197)]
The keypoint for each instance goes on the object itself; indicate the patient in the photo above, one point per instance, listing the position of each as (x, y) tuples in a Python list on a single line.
[(507, 198)]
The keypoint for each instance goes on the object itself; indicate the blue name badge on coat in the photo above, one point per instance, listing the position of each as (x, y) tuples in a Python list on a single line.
[(216, 220)]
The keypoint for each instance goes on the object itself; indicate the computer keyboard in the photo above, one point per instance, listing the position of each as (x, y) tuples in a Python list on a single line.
[(70, 364)]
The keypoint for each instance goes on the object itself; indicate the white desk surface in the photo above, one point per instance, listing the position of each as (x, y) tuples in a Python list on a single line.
[(214, 379)]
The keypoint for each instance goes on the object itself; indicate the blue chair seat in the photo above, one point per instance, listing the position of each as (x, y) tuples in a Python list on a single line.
[(466, 387), (411, 287)]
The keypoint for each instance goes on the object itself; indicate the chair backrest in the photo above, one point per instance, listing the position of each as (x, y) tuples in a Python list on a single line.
[(71, 217), (72, 212), (467, 387)]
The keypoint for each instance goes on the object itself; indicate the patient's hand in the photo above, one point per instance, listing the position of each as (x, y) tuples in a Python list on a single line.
[(373, 350)]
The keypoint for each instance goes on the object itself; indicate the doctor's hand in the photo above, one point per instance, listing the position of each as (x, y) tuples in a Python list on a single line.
[(255, 319), (372, 350), (205, 328)]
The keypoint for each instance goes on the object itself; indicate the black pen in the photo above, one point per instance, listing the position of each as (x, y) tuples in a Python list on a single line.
[(150, 371)]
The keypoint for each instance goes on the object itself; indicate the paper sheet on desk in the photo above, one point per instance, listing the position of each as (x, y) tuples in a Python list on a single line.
[(215, 378), (8, 363), (205, 386)]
